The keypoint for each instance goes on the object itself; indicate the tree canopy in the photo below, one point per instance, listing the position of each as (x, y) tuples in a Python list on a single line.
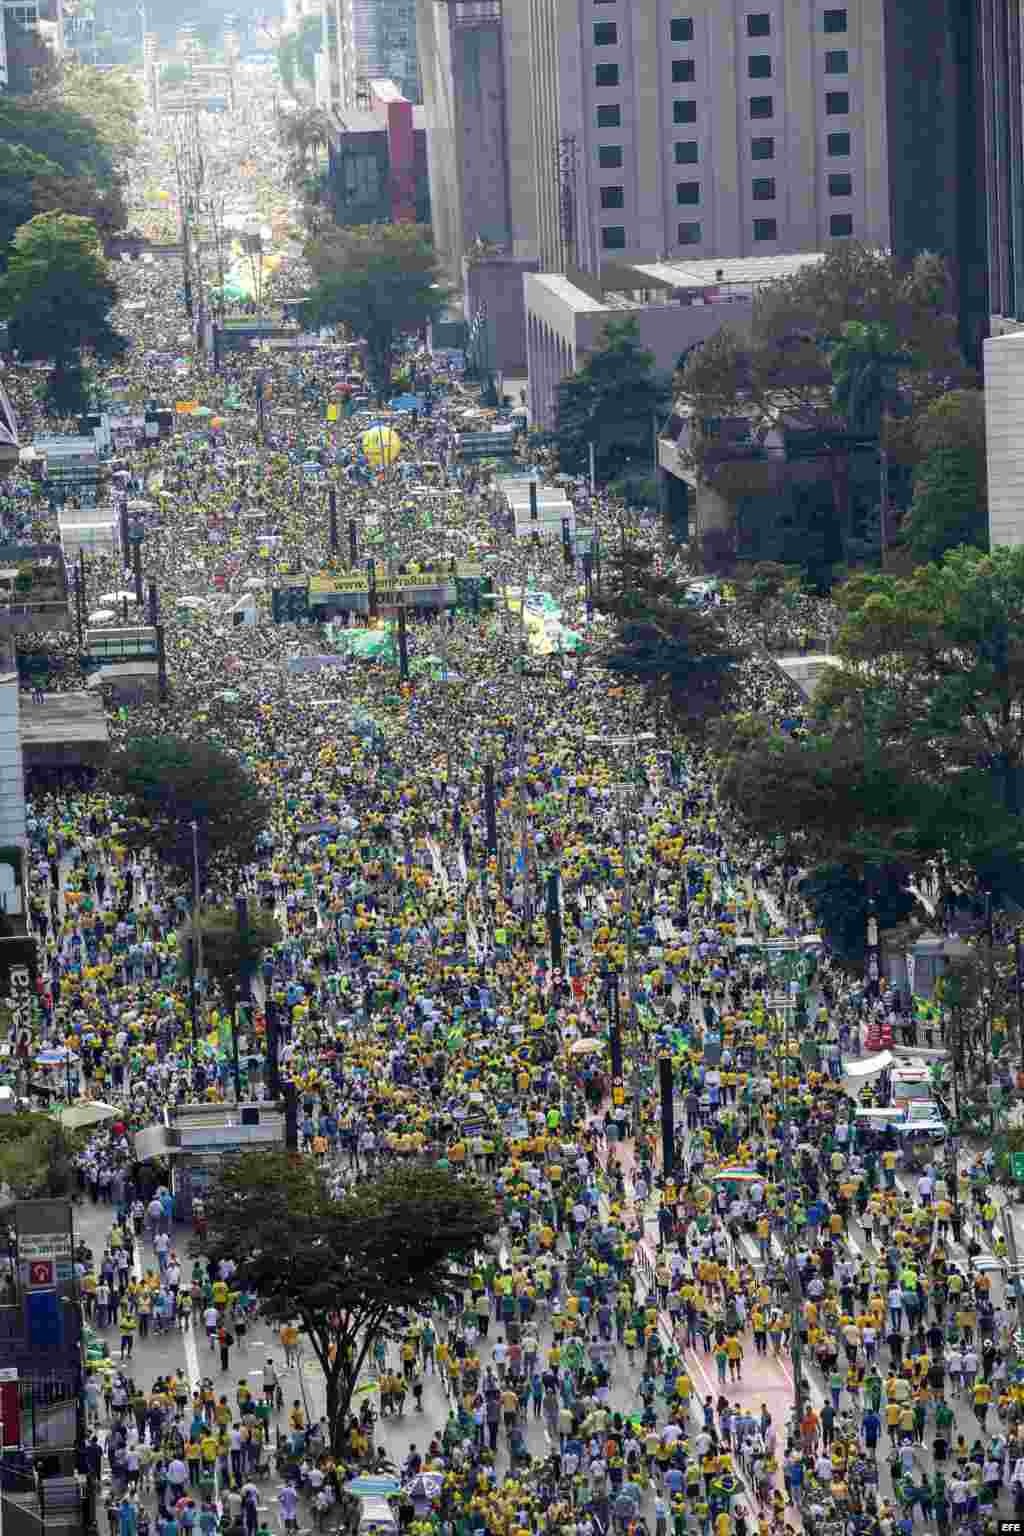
[(682, 656), (169, 782), (611, 401), (56, 296), (347, 1269), (63, 149), (231, 952), (918, 751), (381, 281), (780, 382), (950, 505)]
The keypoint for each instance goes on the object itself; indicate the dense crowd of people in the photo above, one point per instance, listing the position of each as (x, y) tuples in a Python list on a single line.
[(594, 1370)]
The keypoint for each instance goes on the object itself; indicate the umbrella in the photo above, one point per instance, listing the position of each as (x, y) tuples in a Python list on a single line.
[(427, 1486), (228, 695), (75, 1117), (53, 1056), (588, 1047), (202, 410), (144, 506), (373, 1485), (101, 616), (117, 597), (189, 602), (738, 1175), (254, 583), (405, 403)]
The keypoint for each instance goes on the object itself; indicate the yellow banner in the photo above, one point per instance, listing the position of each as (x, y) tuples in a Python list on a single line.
[(186, 407)]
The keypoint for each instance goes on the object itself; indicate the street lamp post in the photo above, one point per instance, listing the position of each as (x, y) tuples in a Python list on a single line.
[(873, 956)]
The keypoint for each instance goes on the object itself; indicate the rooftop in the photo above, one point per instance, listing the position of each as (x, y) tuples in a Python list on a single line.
[(66, 728), (748, 271), (638, 285)]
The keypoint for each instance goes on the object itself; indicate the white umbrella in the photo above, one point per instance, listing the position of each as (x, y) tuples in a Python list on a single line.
[(587, 1047), (255, 583), (191, 602), (117, 597), (101, 616)]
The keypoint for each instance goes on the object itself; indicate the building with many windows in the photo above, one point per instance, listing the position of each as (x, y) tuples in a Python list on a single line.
[(577, 133), (708, 128)]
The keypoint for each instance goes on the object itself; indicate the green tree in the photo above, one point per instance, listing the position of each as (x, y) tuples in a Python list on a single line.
[(231, 953), (56, 296), (19, 170), (839, 898), (611, 401), (865, 360), (928, 690), (687, 664), (52, 192), (779, 381), (381, 281), (838, 796), (168, 783), (35, 1155), (346, 1268), (108, 99), (941, 653), (950, 505), (60, 133)]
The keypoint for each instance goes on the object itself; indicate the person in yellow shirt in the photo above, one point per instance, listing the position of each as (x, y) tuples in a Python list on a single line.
[(290, 1343)]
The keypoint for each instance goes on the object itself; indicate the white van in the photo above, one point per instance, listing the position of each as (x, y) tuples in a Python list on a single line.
[(911, 1083)]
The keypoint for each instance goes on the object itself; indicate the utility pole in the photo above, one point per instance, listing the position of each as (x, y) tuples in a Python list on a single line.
[(883, 487), (244, 989)]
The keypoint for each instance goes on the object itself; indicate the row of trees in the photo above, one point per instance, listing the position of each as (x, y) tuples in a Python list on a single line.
[(913, 762), (65, 148), (908, 774), (63, 156)]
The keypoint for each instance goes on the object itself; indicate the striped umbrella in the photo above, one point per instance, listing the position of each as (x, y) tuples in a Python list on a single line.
[(736, 1174)]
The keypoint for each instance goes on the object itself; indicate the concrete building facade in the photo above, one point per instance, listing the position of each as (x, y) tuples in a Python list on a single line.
[(1004, 437), (716, 128)]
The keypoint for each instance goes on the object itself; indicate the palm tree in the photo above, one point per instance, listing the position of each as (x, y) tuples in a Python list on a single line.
[(864, 363), (304, 132)]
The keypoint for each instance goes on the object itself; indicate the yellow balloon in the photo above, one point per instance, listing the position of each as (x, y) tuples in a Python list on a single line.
[(382, 445), (164, 197)]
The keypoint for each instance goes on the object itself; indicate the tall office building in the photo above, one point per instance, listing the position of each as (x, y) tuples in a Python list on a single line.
[(722, 129), (708, 128), (364, 40)]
